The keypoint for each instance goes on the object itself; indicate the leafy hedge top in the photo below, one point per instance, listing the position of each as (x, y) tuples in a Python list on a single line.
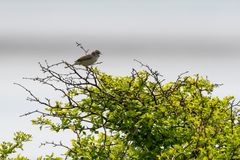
[(139, 116)]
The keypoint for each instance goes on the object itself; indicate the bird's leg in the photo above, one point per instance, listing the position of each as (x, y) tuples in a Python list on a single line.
[(88, 69)]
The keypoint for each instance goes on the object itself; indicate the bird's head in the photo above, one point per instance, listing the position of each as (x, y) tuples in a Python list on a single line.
[(96, 53)]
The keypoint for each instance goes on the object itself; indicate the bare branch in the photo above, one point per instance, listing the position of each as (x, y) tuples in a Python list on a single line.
[(60, 144), (81, 46)]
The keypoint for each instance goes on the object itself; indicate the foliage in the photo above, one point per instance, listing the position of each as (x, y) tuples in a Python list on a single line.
[(138, 116), (8, 148)]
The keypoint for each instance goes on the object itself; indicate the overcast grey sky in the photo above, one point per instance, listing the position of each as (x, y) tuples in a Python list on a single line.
[(171, 36)]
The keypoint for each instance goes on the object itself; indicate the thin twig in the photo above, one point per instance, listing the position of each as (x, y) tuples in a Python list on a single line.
[(81, 46)]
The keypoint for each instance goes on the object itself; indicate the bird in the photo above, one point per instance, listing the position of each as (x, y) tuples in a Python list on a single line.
[(88, 59)]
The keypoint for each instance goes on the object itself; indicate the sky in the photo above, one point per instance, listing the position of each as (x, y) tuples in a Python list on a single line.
[(171, 36)]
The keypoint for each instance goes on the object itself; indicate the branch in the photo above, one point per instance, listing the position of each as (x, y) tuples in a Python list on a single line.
[(34, 98), (80, 45), (60, 144)]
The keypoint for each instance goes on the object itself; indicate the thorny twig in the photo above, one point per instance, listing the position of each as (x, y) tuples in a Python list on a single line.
[(81, 46)]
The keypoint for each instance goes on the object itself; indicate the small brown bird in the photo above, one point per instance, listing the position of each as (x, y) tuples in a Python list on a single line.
[(88, 59)]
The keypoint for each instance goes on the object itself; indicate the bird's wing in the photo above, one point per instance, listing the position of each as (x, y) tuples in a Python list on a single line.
[(84, 58)]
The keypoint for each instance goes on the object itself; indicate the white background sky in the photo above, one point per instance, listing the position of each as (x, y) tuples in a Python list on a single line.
[(171, 36)]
